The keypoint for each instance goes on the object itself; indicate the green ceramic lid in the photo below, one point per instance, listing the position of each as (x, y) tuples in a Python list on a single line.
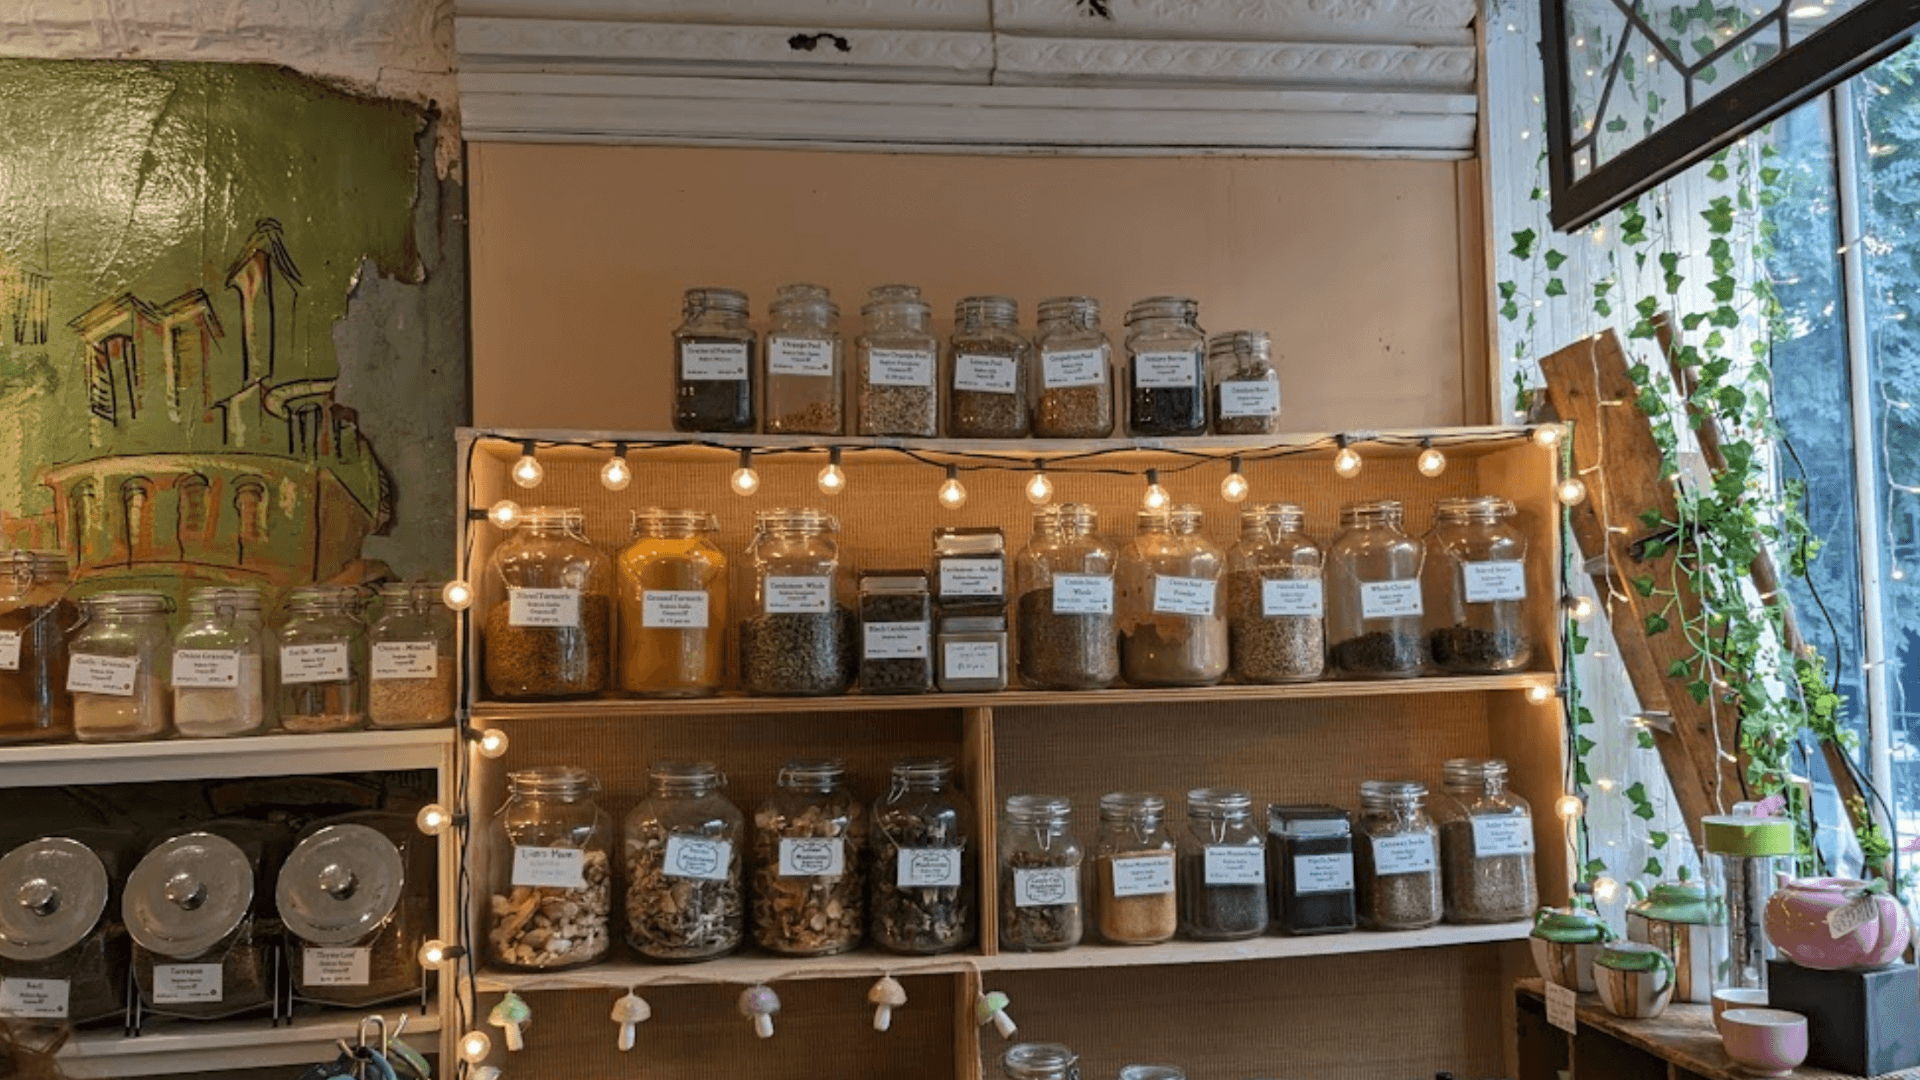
[(1674, 902), (1738, 834), (1630, 956), (1573, 926)]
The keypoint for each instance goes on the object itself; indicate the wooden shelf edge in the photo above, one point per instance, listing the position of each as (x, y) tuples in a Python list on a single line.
[(248, 755), (186, 1046)]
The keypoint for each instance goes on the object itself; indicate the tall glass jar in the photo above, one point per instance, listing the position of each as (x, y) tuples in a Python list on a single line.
[(899, 387), (35, 616), (1476, 587), (222, 665), (1397, 857), (714, 370), (549, 633), (1068, 637), (1039, 875), (1223, 867), (1747, 855), (686, 899), (1166, 367), (1486, 844), (1276, 603), (1374, 610), (1246, 389), (796, 631), (1173, 621), (987, 364), (1073, 378), (1039, 1061), (1134, 901), (550, 879), (809, 872), (923, 866), (413, 672), (673, 605), (806, 363), (323, 661), (117, 665)]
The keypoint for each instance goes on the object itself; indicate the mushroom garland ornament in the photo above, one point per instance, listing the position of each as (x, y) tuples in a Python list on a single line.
[(759, 1003), (510, 1016), (886, 996), (630, 1012), (993, 1007)]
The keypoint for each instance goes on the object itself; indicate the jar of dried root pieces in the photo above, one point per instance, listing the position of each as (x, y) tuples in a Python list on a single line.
[(809, 847), (685, 893), (551, 880)]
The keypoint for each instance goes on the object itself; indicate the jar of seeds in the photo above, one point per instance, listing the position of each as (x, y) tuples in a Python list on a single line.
[(1486, 844), (1398, 858), (970, 570), (987, 368), (1039, 875), (1276, 606), (685, 894), (35, 616), (715, 370), (896, 632), (1068, 636), (1173, 621), (1166, 367), (973, 653), (806, 363), (1310, 869), (117, 667), (550, 629), (551, 880), (923, 861), (1133, 862), (1039, 1061), (1374, 610), (1074, 373), (323, 661), (221, 665), (413, 669), (1476, 587), (809, 851), (1223, 867), (673, 605), (1246, 389), (797, 635), (899, 393)]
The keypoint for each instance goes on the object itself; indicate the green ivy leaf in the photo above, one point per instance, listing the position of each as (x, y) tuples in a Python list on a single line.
[(1703, 44), (1507, 289), (1617, 125), (1581, 777), (1644, 739), (1656, 623), (1658, 840), (1653, 868), (1582, 716), (1523, 243), (1595, 868), (1718, 172), (1509, 311), (1556, 287), (1584, 746), (1643, 584), (1698, 690), (1554, 259)]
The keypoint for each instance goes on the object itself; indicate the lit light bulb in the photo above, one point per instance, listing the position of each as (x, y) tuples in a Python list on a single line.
[(433, 819), (474, 1047), (1156, 497), (433, 953), (831, 480), (1431, 461), (527, 472), (1347, 461), (616, 474), (1569, 807), (1548, 434), (1234, 488), (1571, 490), (1578, 608), (745, 481), (492, 743), (1606, 890), (1039, 489), (1540, 693), (953, 495), (458, 595), (505, 513)]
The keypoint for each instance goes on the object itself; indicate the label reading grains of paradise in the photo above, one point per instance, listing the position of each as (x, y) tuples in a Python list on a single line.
[(713, 361)]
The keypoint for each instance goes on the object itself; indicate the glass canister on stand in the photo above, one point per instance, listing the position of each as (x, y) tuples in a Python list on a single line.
[(1073, 376), (1039, 875), (1134, 901), (223, 661), (63, 952), (1745, 859), (806, 363), (1223, 867), (797, 634), (35, 617), (1069, 639), (356, 897), (987, 367), (1276, 600), (1166, 367), (1486, 845), (1476, 587), (550, 633), (810, 847), (413, 674), (199, 907), (551, 879), (673, 605), (1374, 610), (714, 363), (684, 844), (922, 901), (898, 387), (1246, 389), (1173, 622), (323, 661), (117, 667), (1398, 863)]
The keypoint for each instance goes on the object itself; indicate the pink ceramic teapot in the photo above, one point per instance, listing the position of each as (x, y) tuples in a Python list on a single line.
[(1803, 915)]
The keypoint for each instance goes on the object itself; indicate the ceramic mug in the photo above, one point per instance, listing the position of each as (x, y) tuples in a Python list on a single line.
[(1634, 994), (1764, 1042), (1736, 997)]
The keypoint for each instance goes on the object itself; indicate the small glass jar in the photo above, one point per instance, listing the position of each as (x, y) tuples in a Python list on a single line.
[(899, 387), (35, 616), (323, 661), (197, 905), (673, 605), (63, 954), (1152, 1072), (686, 898), (970, 570), (1398, 865), (356, 896), (413, 672), (550, 632), (1166, 367), (1374, 609), (1246, 389), (1173, 621), (1223, 867), (1134, 902), (1486, 845), (973, 653), (1068, 636), (551, 882), (896, 632), (796, 632), (1039, 1061), (117, 665), (1073, 377), (1310, 869), (987, 392), (1476, 588), (1276, 602), (923, 862), (1039, 875), (715, 370), (809, 872), (222, 665), (806, 363)]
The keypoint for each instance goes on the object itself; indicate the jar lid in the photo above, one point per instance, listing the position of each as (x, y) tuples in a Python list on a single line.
[(1038, 1056), (323, 598), (1067, 307), (1039, 809), (686, 774), (565, 781), (1393, 789), (188, 894), (130, 602), (237, 598), (571, 517), (1287, 516), (883, 297), (994, 310), (802, 518), (711, 298), (893, 581), (1630, 956), (669, 517), (923, 768), (1163, 307), (1376, 510), (1152, 1072), (26, 566), (974, 624), (969, 540), (1748, 835), (1478, 507), (1131, 806), (1218, 802), (340, 884), (1058, 515), (52, 891), (802, 294), (1308, 821), (1569, 926), (1185, 517), (1472, 772), (1253, 344), (811, 773)]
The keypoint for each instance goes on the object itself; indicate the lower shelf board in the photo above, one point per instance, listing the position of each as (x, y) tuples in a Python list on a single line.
[(188, 1046)]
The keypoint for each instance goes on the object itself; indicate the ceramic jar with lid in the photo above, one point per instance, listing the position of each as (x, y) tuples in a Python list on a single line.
[(413, 671), (1565, 943), (1673, 917), (551, 876), (714, 368), (1831, 923), (223, 660), (673, 605), (1635, 980), (355, 895), (190, 905), (63, 959), (549, 631), (35, 616), (117, 667), (685, 847)]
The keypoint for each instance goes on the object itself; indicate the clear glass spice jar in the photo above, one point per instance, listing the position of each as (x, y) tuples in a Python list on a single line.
[(35, 616), (1166, 367), (63, 955), (356, 895), (1173, 621), (1069, 639), (970, 570), (413, 672), (1039, 875), (673, 605), (1397, 864), (198, 906), (223, 660), (1073, 377), (973, 653), (323, 661), (1476, 587), (806, 363), (1039, 1061), (1223, 867), (1486, 844), (686, 897), (896, 632), (117, 667), (1134, 902), (1152, 1072), (987, 370), (550, 633), (551, 882), (809, 865), (796, 631), (1276, 600), (1246, 389), (1310, 869), (899, 387), (714, 370), (1374, 609), (922, 901)]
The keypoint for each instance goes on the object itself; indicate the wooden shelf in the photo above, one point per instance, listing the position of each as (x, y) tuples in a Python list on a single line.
[(59, 764), (172, 1047)]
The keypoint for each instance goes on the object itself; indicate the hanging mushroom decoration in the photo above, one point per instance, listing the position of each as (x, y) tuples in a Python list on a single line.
[(759, 1003), (510, 1016), (886, 996), (630, 1012), (992, 1008)]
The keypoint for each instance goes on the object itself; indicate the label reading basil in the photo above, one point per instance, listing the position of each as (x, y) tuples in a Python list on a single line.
[(1049, 886), (929, 868), (704, 361), (1507, 834), (971, 660), (1322, 874), (984, 374), (335, 967), (894, 641), (1165, 370), (1235, 865), (110, 675), (1410, 854), (899, 367), (543, 607), (35, 999), (798, 595), (1303, 599), (1389, 599), (9, 650), (800, 356), (1073, 367), (1499, 579), (1082, 594), (813, 856), (1249, 398), (972, 577), (698, 858), (405, 660), (550, 867), (675, 609), (183, 984), (210, 668), (313, 663), (1142, 875), (1183, 595)]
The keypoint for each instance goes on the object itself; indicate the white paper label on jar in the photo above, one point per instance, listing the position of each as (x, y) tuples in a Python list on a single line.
[(1499, 579), (970, 660), (972, 577), (1236, 865), (183, 984), (111, 675), (1082, 594), (1183, 595), (35, 999), (673, 609), (1249, 398), (1505, 834), (697, 858), (206, 668), (798, 595), (405, 660), (929, 868), (1049, 886), (1389, 599), (984, 374), (550, 867), (1164, 370), (711, 360), (1322, 874), (1410, 854), (335, 967), (899, 367), (9, 650), (800, 356), (313, 663), (1073, 367), (1303, 598), (1142, 875), (894, 640), (813, 856), (543, 607)]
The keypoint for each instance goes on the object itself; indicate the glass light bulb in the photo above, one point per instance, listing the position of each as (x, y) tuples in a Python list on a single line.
[(474, 1047), (952, 495), (832, 481), (1540, 693), (1234, 488), (1571, 490), (458, 595), (1580, 608), (1605, 889), (1039, 489), (745, 481), (1568, 807), (505, 513), (1431, 462), (527, 472), (433, 819), (492, 743), (1347, 462), (433, 953), (1548, 434), (1157, 498), (616, 474)]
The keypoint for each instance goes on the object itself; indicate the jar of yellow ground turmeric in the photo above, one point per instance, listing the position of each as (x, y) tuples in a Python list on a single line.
[(673, 605)]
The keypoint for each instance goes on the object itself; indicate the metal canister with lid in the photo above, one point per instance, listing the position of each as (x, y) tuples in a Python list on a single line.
[(199, 950), (62, 958), (354, 898)]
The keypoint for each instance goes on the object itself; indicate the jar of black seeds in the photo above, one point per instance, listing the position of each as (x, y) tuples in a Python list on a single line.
[(1223, 867), (1476, 587), (1166, 367), (714, 367), (1310, 869), (1375, 618)]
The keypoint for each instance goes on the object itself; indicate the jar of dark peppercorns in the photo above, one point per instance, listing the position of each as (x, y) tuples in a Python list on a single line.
[(713, 363), (1166, 367), (1476, 587), (1374, 608)]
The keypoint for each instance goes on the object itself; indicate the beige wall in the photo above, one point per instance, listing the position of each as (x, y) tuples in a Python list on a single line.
[(580, 254)]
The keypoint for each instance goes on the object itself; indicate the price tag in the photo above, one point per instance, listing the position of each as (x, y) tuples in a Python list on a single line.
[(543, 607), (929, 868), (1304, 599), (813, 856), (972, 577), (1165, 370), (183, 984), (705, 361), (1142, 875), (1503, 835), (1082, 594), (405, 660), (1389, 599), (800, 356), (35, 999), (1322, 874), (335, 967), (697, 858), (899, 367), (894, 640), (1501, 579), (1845, 920), (971, 660), (550, 867), (1563, 1008), (675, 609), (1249, 398), (798, 595), (1412, 854), (1183, 595), (110, 675), (313, 663), (1046, 886), (1235, 865), (9, 650), (1073, 367), (984, 374), (206, 668)]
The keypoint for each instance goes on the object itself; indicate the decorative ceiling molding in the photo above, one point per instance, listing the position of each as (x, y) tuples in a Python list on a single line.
[(1404, 21), (1299, 64)]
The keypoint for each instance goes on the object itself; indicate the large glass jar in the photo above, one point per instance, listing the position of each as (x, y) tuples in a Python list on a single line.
[(551, 881), (1246, 389), (923, 866), (117, 663), (549, 633), (35, 616), (987, 365), (970, 570), (686, 898), (1486, 844), (809, 874), (806, 363), (1276, 603), (63, 955), (1068, 636), (323, 661), (1373, 595), (1039, 1061), (899, 387), (1166, 367), (1073, 378), (1223, 867), (1173, 621), (714, 370), (1310, 869), (1476, 587), (197, 906), (413, 673), (356, 895), (1397, 857), (796, 630), (1039, 875), (1133, 861), (222, 662), (896, 632), (673, 605)]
